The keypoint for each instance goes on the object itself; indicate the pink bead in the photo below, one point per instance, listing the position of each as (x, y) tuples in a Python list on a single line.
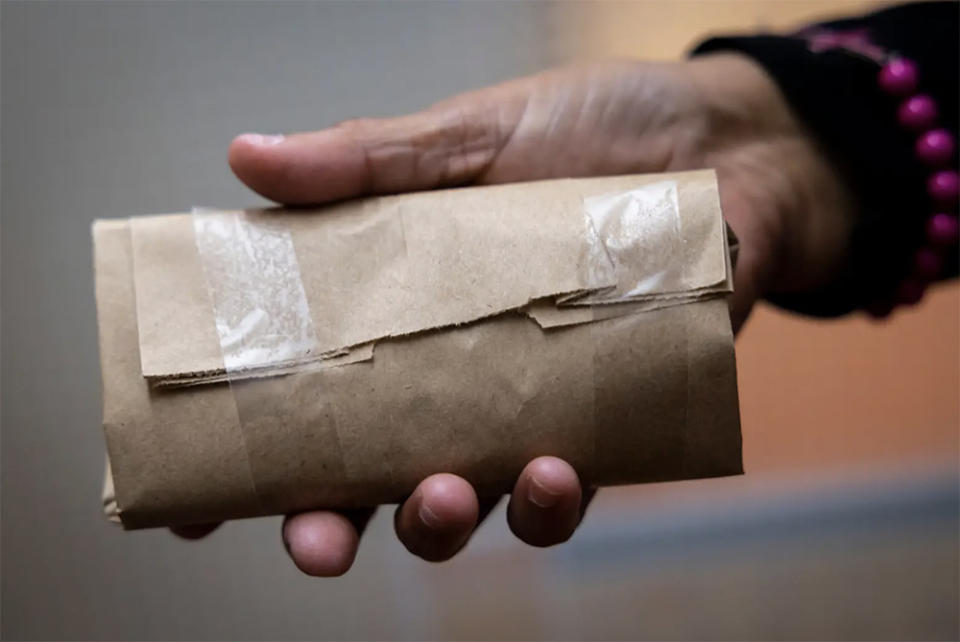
[(944, 186), (910, 292), (935, 147), (898, 77), (917, 112), (943, 230), (927, 264)]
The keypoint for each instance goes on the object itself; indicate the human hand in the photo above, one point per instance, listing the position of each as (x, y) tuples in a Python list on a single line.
[(778, 191)]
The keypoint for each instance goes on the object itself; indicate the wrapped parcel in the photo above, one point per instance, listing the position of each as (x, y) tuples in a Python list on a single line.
[(268, 361)]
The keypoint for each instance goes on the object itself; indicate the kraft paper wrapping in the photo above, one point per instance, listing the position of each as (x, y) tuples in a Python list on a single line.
[(265, 362)]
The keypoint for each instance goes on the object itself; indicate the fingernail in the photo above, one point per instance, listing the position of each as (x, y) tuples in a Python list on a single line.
[(261, 140), (541, 496), (427, 516)]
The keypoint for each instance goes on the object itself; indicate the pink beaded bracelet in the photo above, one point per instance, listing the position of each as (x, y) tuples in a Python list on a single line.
[(935, 147)]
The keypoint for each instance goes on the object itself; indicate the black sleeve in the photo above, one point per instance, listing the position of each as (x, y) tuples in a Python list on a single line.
[(829, 75)]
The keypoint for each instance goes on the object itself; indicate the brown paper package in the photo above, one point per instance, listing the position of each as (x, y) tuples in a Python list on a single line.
[(466, 330)]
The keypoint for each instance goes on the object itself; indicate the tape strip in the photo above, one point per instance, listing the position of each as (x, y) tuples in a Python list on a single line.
[(641, 232), (254, 282)]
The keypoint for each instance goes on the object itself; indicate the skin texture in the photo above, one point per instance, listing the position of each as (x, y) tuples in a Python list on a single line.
[(778, 191)]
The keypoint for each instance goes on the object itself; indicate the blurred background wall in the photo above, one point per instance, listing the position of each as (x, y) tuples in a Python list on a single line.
[(844, 527)]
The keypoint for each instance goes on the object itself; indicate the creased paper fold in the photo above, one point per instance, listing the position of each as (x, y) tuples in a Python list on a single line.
[(290, 289)]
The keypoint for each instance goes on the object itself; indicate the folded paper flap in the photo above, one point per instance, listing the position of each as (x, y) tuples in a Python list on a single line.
[(397, 265), (175, 318)]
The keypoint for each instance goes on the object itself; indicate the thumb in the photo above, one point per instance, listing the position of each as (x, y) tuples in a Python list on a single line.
[(450, 144)]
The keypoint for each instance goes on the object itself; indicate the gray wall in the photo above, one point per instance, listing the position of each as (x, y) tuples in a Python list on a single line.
[(118, 108)]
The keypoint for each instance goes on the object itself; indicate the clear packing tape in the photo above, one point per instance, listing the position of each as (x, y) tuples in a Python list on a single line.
[(269, 361)]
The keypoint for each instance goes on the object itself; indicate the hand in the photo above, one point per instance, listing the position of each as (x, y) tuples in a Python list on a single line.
[(779, 193)]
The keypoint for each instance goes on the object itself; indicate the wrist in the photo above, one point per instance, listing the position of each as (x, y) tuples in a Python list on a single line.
[(791, 201)]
